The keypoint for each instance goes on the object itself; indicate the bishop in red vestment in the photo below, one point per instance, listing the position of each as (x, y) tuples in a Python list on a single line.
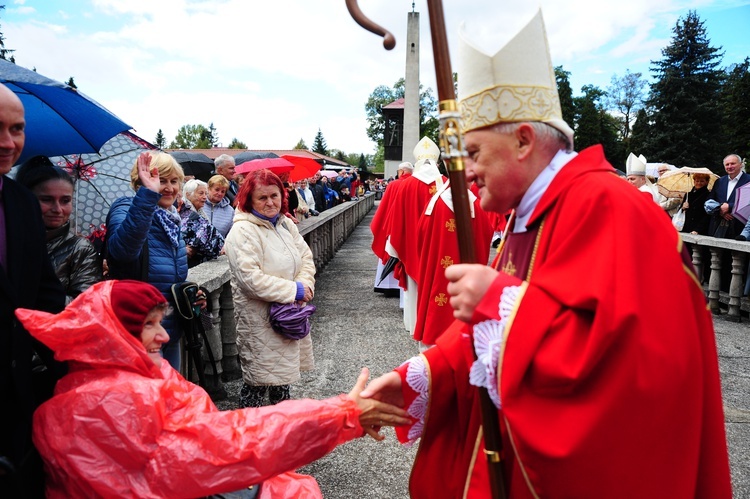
[(437, 247)]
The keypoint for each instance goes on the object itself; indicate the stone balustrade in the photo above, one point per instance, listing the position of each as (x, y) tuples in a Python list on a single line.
[(734, 298), (324, 234)]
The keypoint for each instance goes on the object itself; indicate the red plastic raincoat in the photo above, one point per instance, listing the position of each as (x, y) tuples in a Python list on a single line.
[(119, 426)]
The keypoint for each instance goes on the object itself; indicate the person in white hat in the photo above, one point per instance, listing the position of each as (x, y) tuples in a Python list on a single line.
[(595, 387), (635, 169), (406, 208)]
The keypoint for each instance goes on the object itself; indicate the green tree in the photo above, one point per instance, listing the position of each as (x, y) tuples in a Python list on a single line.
[(640, 132), (566, 95), (301, 144), (594, 125), (209, 137), (319, 144), (363, 165), (735, 100), (429, 124), (5, 54), (625, 96), (684, 99), (160, 141), (190, 137), (237, 144)]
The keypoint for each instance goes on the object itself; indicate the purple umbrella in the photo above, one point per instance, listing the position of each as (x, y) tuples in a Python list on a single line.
[(291, 320), (741, 210)]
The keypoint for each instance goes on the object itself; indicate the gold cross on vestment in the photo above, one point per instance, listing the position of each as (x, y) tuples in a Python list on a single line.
[(446, 262), (509, 268), (451, 225), (441, 300), (433, 190)]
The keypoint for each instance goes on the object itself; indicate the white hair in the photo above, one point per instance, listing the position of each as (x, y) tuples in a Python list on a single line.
[(548, 136), (406, 166), (222, 160), (191, 186)]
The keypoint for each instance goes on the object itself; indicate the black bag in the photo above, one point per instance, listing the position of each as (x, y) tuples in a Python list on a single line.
[(190, 317)]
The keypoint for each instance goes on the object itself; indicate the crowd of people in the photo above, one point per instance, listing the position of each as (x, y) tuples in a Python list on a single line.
[(585, 379)]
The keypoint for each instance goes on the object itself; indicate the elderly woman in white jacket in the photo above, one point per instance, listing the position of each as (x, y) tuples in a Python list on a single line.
[(270, 262)]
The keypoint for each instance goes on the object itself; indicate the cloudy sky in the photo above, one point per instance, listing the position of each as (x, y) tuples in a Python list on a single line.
[(273, 72)]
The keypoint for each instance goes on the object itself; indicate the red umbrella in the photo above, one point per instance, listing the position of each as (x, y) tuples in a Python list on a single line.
[(303, 167), (276, 165)]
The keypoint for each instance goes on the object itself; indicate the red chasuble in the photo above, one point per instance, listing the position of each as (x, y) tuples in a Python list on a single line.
[(406, 209), (608, 373), (437, 247), (381, 221)]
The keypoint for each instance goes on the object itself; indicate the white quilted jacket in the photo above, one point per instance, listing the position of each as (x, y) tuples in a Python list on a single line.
[(266, 261)]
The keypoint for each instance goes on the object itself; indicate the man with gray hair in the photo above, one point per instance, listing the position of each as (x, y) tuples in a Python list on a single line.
[(225, 166), (590, 381)]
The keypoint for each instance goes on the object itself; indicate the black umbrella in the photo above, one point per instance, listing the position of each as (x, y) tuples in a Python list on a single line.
[(196, 164), (389, 266), (249, 156)]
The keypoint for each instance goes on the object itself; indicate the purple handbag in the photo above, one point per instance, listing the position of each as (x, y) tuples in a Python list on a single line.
[(291, 320)]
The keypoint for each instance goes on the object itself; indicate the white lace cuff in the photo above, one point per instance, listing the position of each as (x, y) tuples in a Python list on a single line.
[(488, 340), (418, 380)]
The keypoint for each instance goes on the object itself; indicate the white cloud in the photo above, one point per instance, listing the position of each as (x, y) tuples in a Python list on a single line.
[(270, 73)]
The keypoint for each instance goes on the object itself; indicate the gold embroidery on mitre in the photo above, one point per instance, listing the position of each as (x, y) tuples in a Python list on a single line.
[(451, 225), (441, 300), (509, 268), (446, 262), (506, 103)]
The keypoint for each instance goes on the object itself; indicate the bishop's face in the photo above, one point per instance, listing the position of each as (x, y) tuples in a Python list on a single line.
[(493, 164)]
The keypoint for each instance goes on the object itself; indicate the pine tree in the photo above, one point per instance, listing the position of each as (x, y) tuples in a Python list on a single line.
[(735, 99), (160, 141), (684, 99), (4, 53), (566, 95), (301, 144), (319, 144)]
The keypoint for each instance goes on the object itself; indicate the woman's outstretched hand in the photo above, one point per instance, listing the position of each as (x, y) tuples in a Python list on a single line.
[(376, 414)]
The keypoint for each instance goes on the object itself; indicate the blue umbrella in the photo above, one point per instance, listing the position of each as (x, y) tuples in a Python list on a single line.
[(59, 119)]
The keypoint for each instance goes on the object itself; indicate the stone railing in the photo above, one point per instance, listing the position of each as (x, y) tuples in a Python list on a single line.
[(717, 248), (324, 234)]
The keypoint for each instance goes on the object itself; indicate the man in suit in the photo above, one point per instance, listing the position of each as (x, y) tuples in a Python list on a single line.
[(721, 200), (27, 280)]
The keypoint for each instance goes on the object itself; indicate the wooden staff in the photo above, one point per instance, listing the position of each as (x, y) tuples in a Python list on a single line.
[(453, 154)]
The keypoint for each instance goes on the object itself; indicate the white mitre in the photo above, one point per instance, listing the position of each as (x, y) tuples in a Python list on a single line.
[(635, 165), (516, 84), (425, 149)]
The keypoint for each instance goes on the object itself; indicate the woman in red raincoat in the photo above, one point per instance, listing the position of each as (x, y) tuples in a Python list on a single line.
[(124, 424)]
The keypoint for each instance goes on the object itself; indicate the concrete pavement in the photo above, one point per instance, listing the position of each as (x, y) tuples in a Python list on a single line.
[(355, 327)]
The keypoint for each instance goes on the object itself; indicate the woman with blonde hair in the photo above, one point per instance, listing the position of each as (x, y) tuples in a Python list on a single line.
[(143, 240), (218, 209)]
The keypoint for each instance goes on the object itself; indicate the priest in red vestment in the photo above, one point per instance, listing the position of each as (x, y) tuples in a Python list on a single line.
[(605, 386), (406, 209), (437, 247)]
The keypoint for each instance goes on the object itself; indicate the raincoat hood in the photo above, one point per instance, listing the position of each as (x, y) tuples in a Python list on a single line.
[(88, 335)]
